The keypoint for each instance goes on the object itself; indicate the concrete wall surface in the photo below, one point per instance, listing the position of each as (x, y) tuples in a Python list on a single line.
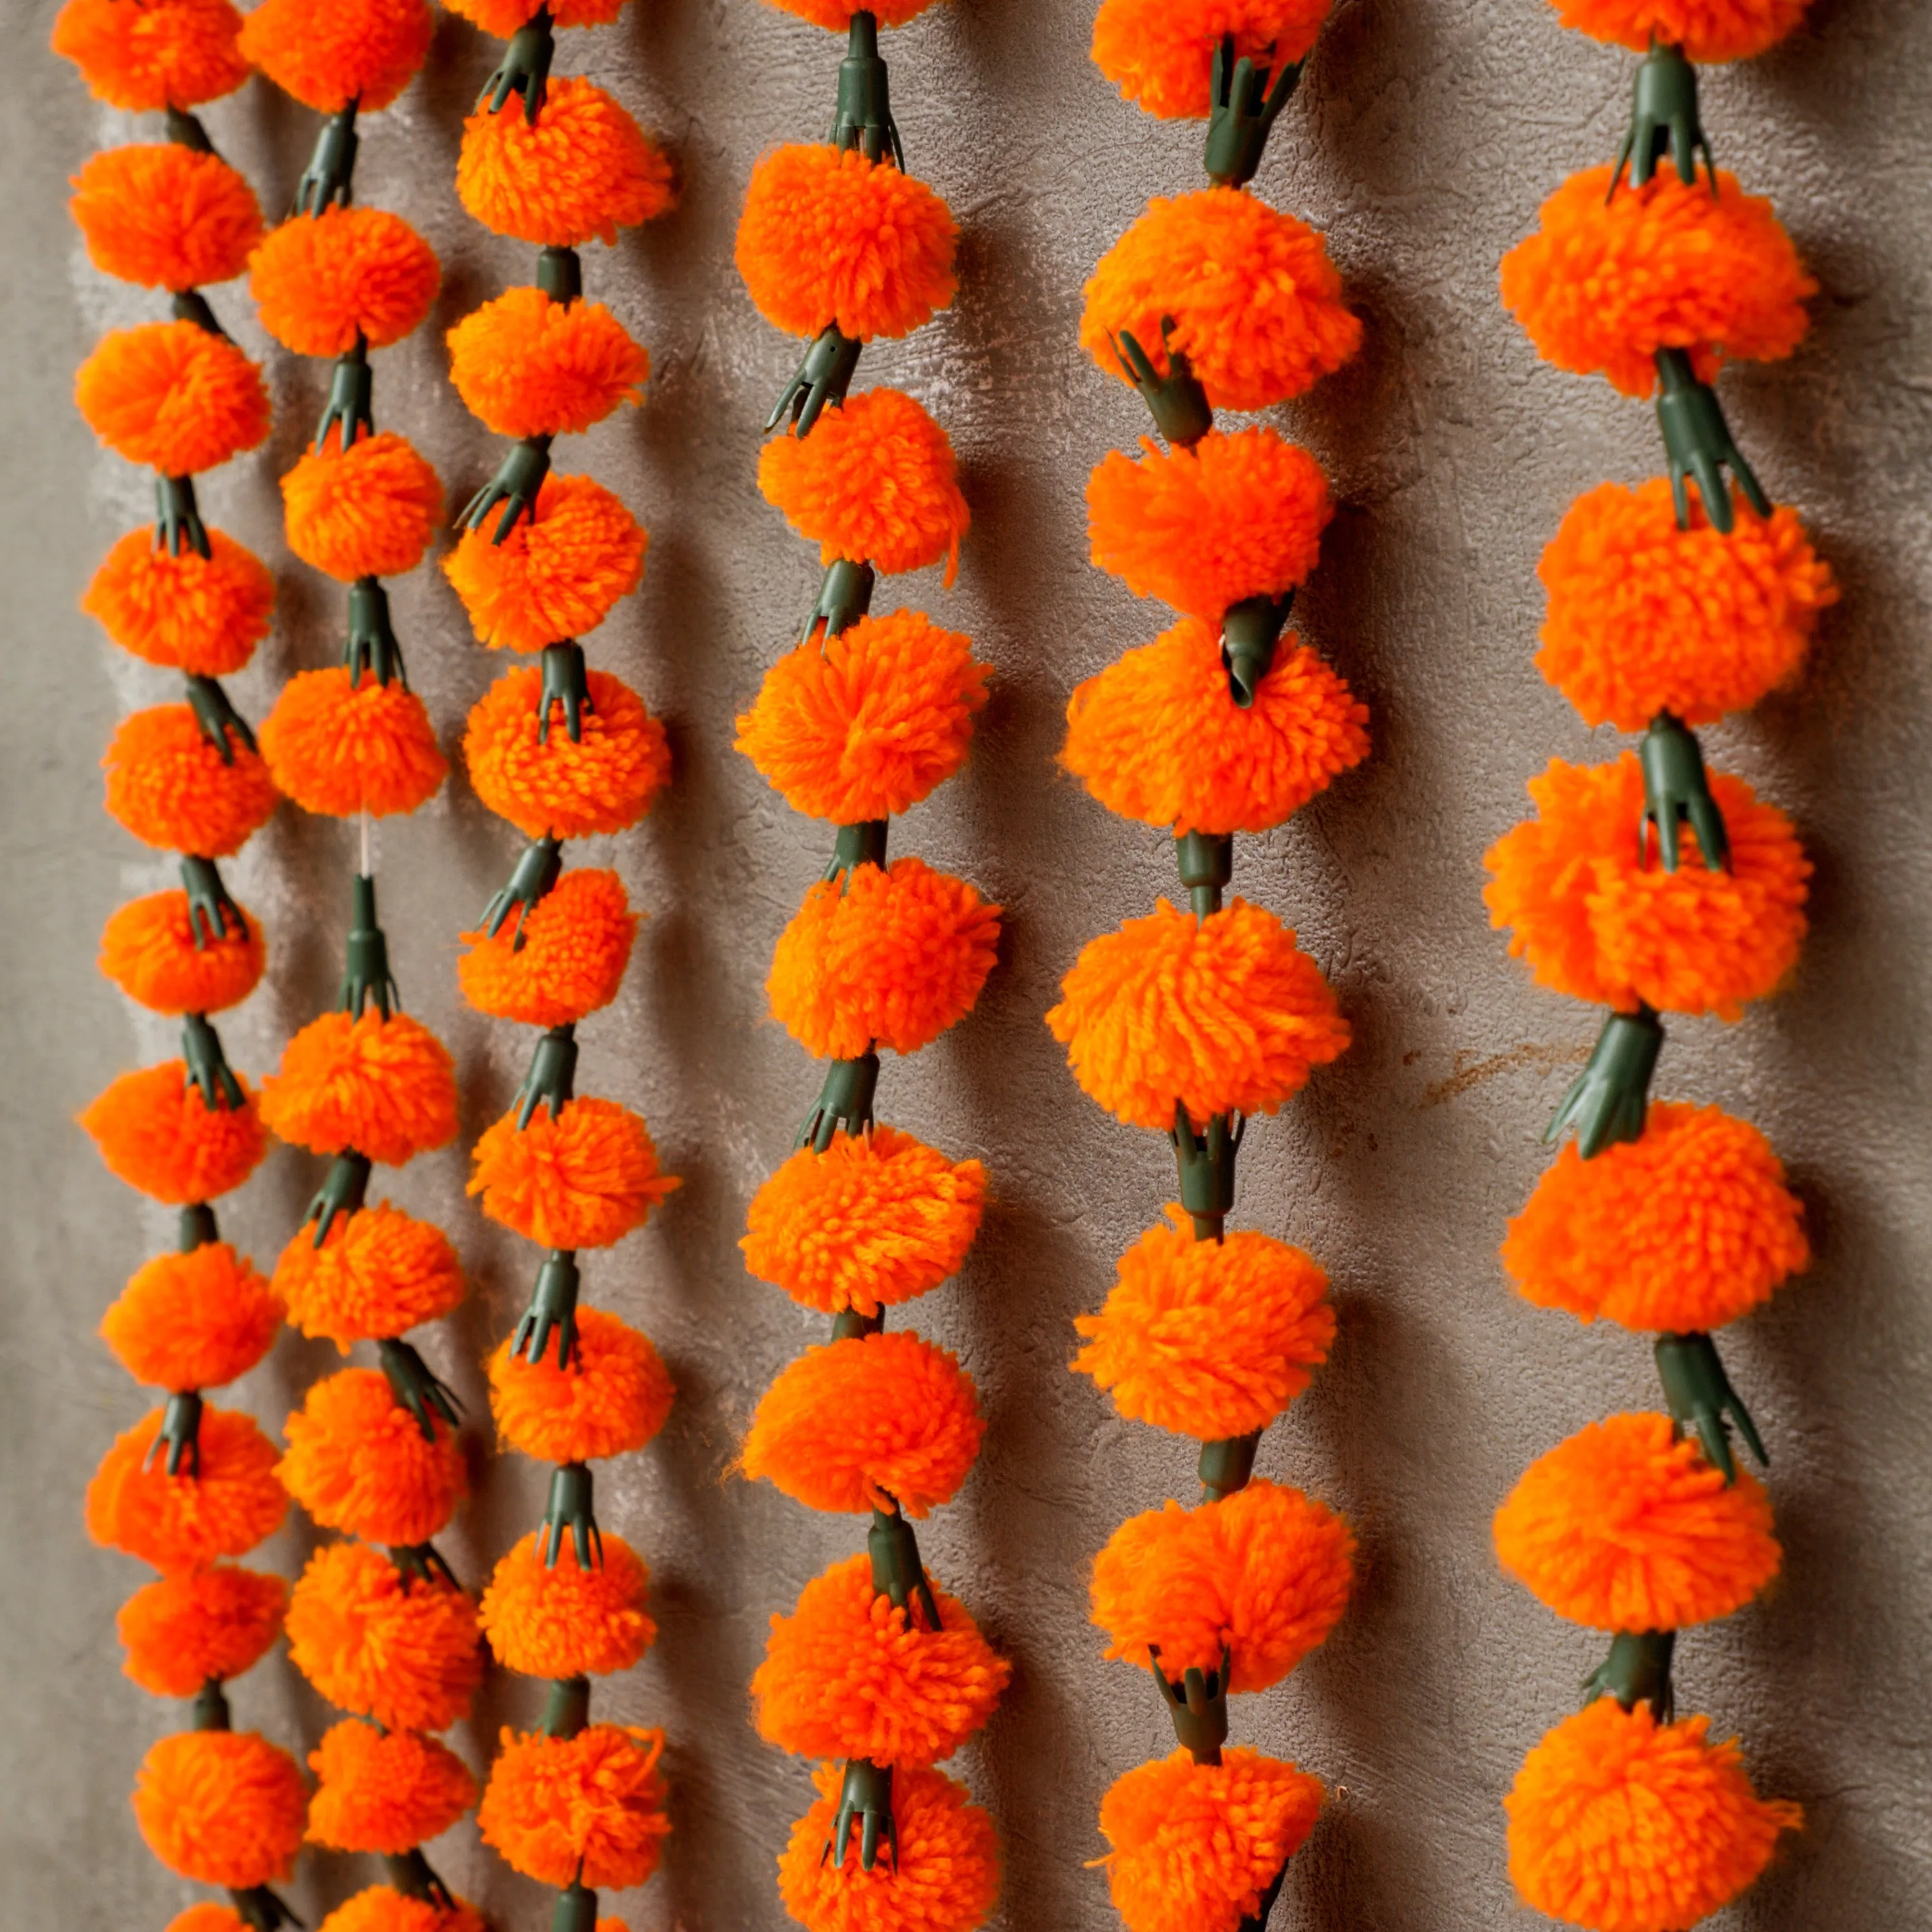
[(1422, 140)]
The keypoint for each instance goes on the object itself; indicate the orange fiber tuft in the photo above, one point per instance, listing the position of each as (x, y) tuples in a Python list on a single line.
[(201, 615), (585, 1180), (1195, 1847), (828, 237), (379, 1273), (168, 784), (1161, 54), (944, 1877), (588, 1808), (320, 281), (613, 1399), (1594, 922), (170, 395), (385, 1087), (156, 1133), (1624, 1527), (207, 1917), (148, 949), (358, 1461), (848, 1676), (192, 1321), (562, 1621), (181, 1631), (1617, 1823), (1220, 1015), (503, 17), (552, 577), (1210, 1339), (379, 1908), (1263, 1573), (366, 51), (401, 1649), (1686, 1227), (557, 789), (163, 53), (384, 1791), (224, 1808), (165, 217), (835, 16), (1255, 303), (1706, 30), (338, 746), (1157, 735), (874, 482), (584, 171), (525, 365), (869, 1423), (874, 1220), (180, 1522), (1609, 280), (867, 723), (369, 511), (888, 958), (564, 962), (1644, 617)]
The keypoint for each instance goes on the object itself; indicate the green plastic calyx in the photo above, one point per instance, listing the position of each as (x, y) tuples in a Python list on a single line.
[(1205, 861), (1664, 121), (178, 522), (1699, 443), (519, 477), (208, 1066), (195, 1228), (422, 1563), (1178, 401), (261, 1910), (350, 411), (328, 179), (209, 1711), (220, 723), (538, 867), (412, 1874), (180, 1434), (845, 596), (864, 118), (1637, 1671), (1207, 1164), (1198, 1704), (865, 1799), (1250, 630), (524, 68), (863, 843), (849, 1325), (1226, 1465), (1676, 788), (552, 1311), (824, 375), (551, 1080), (571, 1508), (365, 973), (567, 1708), (1701, 1399), (576, 1908), (844, 1101), (343, 1190), (191, 305), (185, 130), (211, 913), (1243, 113), (560, 274), (897, 1573), (370, 650), (566, 681), (418, 1387), (1607, 1102)]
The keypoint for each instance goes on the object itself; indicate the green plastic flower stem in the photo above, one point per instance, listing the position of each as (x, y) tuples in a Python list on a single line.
[(209, 1711), (191, 305), (1702, 1401), (343, 1189), (365, 973), (844, 1101), (1676, 789), (552, 1080), (865, 1799), (572, 1508), (261, 1910), (371, 649), (1243, 113), (185, 130), (845, 596), (1699, 446), (1178, 402), (208, 1066), (566, 681), (180, 1434), (1206, 863), (177, 519), (1206, 1161), (1226, 1466), (1664, 121), (211, 913), (418, 1387), (1608, 1100), (412, 1874), (1198, 1705), (538, 867), (560, 274), (329, 179), (221, 724), (524, 68), (567, 1708), (575, 1910), (519, 477), (897, 1572), (864, 118), (863, 843), (1250, 632), (195, 1228), (849, 1325), (422, 1563), (552, 1311), (1637, 1671), (822, 376), (350, 411)]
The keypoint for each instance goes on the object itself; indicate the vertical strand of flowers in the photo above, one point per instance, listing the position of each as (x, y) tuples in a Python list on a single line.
[(1650, 886), (1190, 1023)]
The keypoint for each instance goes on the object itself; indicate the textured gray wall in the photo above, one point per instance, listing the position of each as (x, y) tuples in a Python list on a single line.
[(1421, 142)]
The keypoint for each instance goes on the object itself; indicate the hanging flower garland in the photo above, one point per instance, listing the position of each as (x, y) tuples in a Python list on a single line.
[(1191, 1022), (191, 1486), (1650, 886), (876, 1666)]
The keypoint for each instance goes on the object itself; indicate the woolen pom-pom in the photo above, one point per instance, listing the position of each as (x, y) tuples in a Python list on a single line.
[(559, 789), (1210, 1339), (1157, 735), (564, 1622), (503, 17), (868, 1422), (358, 1461), (1617, 1823), (192, 1321), (582, 172), (377, 1275), (165, 53), (170, 395), (208, 1917), (1684, 1229), (835, 15), (1224, 1015), (584, 1180), (944, 1877), (562, 963), (1706, 30), (1627, 1527), (320, 281), (403, 1650), (588, 1808), (1594, 921), (1255, 303), (369, 511), (179, 1523), (888, 958), (612, 1399), (385, 1087), (848, 1676), (874, 482), (1195, 1847), (874, 1220), (204, 615), (339, 747), (1608, 280), (1161, 53), (181, 1632), (379, 1908), (1263, 1573), (224, 1808), (556, 575), (387, 1792), (868, 723), (1644, 617), (165, 217), (525, 365), (366, 51), (157, 1133), (148, 949), (168, 784)]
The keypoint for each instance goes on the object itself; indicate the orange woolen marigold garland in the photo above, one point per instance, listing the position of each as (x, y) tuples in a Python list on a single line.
[(585, 1180), (164, 217), (193, 1321), (368, 510), (339, 743), (562, 1621), (587, 1809), (203, 615), (158, 1133), (526, 365), (171, 397), (562, 962), (358, 1461), (362, 53), (384, 1791), (375, 1275), (183, 1631), (168, 783), (612, 1399), (385, 1087), (148, 949), (181, 1521), (1159, 54), (321, 281), (166, 53), (224, 1808)]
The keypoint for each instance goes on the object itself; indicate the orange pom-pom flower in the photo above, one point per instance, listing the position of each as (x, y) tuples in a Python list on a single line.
[(165, 217), (205, 1625), (358, 1461), (378, 1273), (321, 282), (366, 51), (388, 1792), (170, 395), (1161, 54), (503, 17), (338, 745), (179, 1523), (169, 784), (385, 1087), (224, 1808), (560, 1621), (368, 510), (164, 53), (192, 1321), (157, 1133), (835, 16), (525, 365), (1705, 30), (379, 1908), (588, 1808), (612, 1399), (584, 1180), (148, 949), (562, 962), (204, 615)]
